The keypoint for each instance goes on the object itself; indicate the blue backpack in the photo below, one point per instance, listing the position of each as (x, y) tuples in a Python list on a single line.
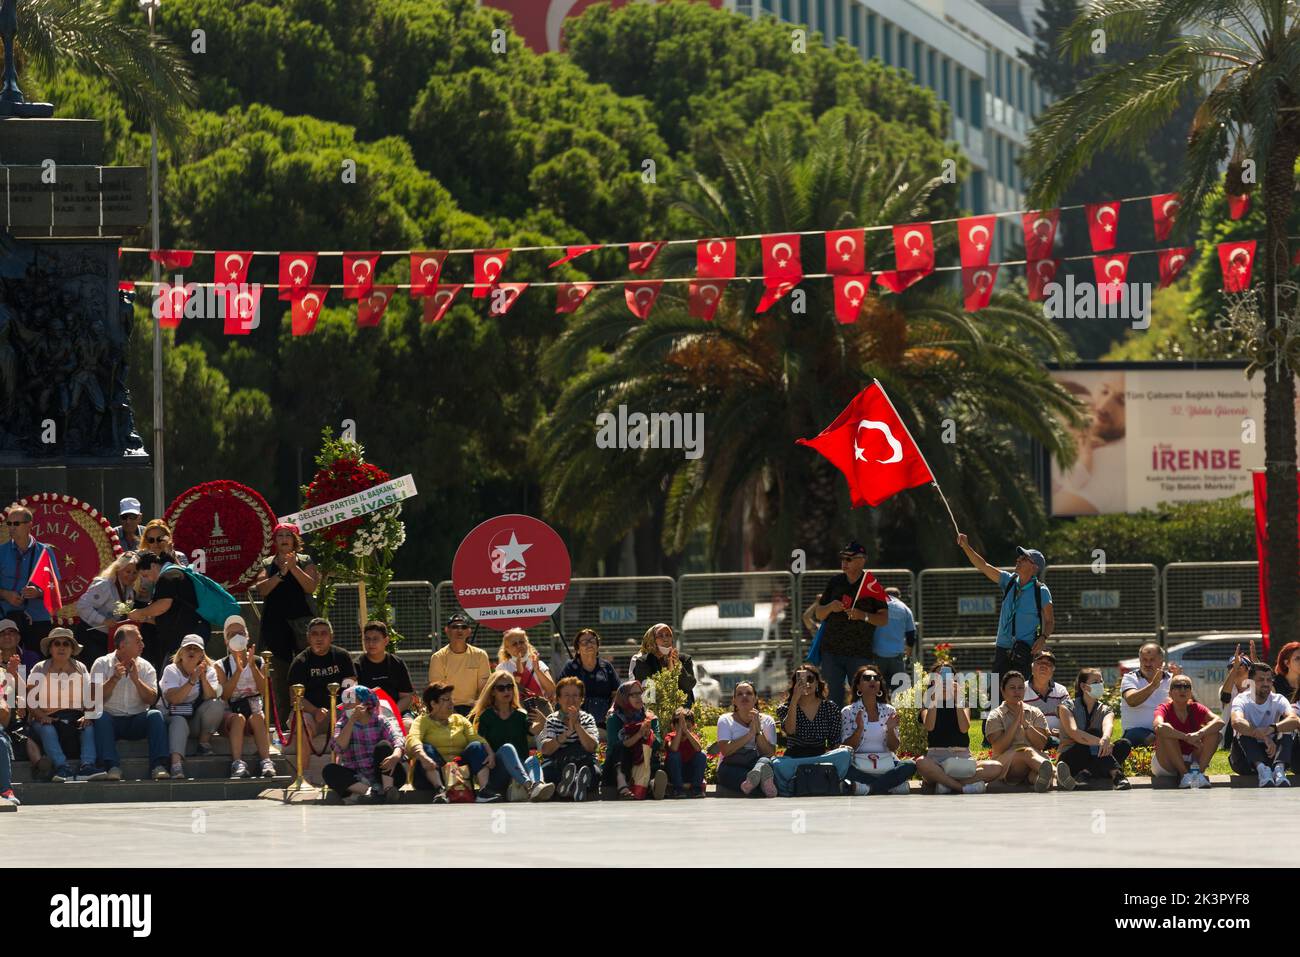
[(215, 604)]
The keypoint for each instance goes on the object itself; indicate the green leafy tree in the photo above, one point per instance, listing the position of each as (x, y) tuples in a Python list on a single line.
[(1237, 59)]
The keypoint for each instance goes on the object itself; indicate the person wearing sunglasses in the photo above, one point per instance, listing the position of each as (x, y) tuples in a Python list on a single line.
[(1026, 618), (518, 657), (157, 538), (811, 723), (59, 708), (287, 584), (501, 721), (1263, 721), (1087, 750), (20, 600), (1187, 735), (747, 744), (597, 675), (869, 727), (465, 667), (128, 533), (1017, 734)]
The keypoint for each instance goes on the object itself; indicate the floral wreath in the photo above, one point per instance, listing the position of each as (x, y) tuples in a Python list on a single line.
[(242, 493), (341, 478), (107, 546)]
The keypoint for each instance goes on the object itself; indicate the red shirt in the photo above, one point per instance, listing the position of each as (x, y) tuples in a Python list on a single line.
[(687, 750), (1198, 716)]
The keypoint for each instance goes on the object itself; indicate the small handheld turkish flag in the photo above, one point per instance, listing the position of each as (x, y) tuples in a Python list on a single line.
[(977, 286), (436, 306), (358, 274), (305, 309), (850, 294), (426, 269), (641, 296), (371, 306), (1040, 233), (46, 579), (231, 266), (641, 255), (1111, 273), (1237, 261), (781, 261), (704, 298), (1172, 262), (869, 443), (914, 248), (488, 264), (1164, 208), (296, 272), (1103, 225), (975, 239), (715, 258), (1038, 273), (846, 252), (569, 296)]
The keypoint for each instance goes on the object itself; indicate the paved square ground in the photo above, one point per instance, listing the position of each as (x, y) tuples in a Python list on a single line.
[(1143, 828)]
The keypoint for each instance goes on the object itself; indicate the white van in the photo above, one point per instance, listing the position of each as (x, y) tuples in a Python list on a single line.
[(739, 641)]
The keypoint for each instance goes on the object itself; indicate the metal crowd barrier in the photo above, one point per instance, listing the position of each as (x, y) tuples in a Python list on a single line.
[(1205, 597)]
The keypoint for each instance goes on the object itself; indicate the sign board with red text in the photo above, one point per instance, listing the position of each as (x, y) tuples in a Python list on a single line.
[(1159, 435), (511, 571)]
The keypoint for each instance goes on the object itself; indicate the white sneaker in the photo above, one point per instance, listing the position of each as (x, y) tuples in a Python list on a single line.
[(1279, 776), (1265, 775), (901, 787), (1188, 780), (975, 787), (942, 789)]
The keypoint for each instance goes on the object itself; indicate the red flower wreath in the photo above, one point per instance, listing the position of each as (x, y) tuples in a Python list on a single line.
[(341, 478), (234, 558)]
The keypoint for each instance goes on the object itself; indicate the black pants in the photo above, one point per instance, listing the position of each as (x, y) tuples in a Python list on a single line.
[(1015, 658), (1248, 752), (339, 778), (94, 643), (1078, 759), (30, 633)]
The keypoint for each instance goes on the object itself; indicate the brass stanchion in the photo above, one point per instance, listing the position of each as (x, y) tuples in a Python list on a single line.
[(333, 689), (299, 784)]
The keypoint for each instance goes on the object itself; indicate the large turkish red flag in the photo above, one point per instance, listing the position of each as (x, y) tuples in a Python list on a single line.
[(1040, 233), (975, 239), (914, 248), (1172, 262), (1237, 261), (1103, 225), (846, 252), (869, 443)]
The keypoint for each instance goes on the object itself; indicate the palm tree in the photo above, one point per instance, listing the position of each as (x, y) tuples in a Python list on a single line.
[(1241, 60), (763, 381), (146, 72)]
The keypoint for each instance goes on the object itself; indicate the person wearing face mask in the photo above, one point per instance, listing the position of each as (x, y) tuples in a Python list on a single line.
[(242, 674), (659, 651), (1087, 750), (945, 716)]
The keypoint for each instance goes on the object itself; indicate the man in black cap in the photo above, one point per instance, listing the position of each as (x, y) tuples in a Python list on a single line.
[(851, 617), (460, 664)]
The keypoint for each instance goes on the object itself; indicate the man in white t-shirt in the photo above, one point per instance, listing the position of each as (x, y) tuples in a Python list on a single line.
[(1262, 721), (1046, 694), (130, 694), (1141, 692)]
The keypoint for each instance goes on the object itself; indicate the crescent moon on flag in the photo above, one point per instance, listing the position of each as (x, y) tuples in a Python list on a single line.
[(846, 239), (985, 275), (239, 263), (359, 267), (1176, 261), (708, 247), (1107, 271), (576, 293), (1103, 210), (776, 251), (487, 267), (559, 9), (240, 300), (896, 447), (1167, 204), (1049, 271), (907, 238), (705, 290), (1042, 221), (378, 299), (648, 292), (849, 287), (311, 297), (978, 228), (643, 248), (1239, 252), (442, 296), (293, 270), (425, 271)]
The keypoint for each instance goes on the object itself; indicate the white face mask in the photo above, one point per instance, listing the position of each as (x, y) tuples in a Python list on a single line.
[(1097, 690), (664, 650)]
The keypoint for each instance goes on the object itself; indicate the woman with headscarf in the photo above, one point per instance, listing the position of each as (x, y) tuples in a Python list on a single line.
[(659, 651), (286, 584), (637, 732)]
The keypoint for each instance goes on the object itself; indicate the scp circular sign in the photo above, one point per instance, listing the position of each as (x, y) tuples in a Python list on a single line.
[(512, 571)]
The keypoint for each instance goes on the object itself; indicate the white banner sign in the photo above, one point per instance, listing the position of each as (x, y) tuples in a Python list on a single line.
[(353, 506)]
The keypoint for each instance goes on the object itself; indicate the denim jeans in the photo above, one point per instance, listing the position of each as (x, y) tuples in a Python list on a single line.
[(49, 738), (838, 671), (731, 774), (6, 762), (509, 768), (891, 666), (111, 728), (475, 755), (784, 769), (694, 769), (1139, 737), (1246, 753)]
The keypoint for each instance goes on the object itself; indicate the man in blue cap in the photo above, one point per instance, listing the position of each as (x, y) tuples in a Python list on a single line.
[(1026, 620)]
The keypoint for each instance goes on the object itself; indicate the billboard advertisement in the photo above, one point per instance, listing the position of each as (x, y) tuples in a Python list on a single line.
[(1152, 435), (539, 22)]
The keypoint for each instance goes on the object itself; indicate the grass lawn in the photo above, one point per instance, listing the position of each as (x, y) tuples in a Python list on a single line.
[(1218, 766)]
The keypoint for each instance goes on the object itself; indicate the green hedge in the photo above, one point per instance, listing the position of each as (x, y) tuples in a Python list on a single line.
[(1222, 530)]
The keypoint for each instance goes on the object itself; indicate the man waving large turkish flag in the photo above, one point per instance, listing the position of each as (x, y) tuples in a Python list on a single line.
[(869, 443)]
